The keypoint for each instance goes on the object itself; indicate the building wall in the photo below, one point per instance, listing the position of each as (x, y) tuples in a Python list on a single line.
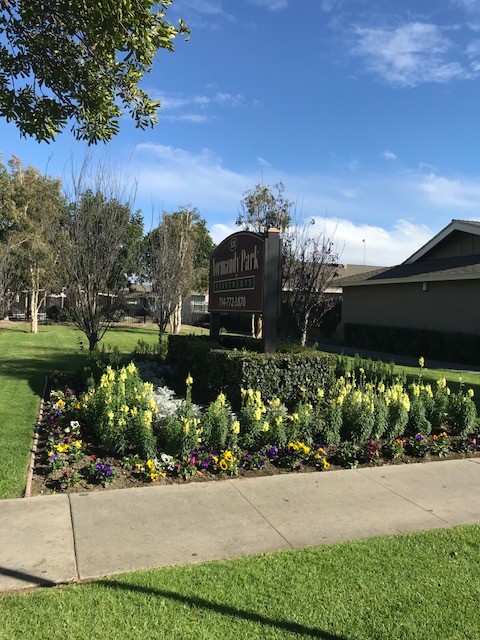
[(447, 306)]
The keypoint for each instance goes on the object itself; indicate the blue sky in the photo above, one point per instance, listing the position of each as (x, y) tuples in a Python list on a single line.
[(368, 111)]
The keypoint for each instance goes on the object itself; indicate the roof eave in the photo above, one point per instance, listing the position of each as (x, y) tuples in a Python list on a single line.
[(417, 278), (455, 225)]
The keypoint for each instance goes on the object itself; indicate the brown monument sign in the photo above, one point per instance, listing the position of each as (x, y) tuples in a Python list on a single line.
[(236, 274), (245, 278)]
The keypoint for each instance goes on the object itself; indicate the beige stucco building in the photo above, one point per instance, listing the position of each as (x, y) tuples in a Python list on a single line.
[(436, 289)]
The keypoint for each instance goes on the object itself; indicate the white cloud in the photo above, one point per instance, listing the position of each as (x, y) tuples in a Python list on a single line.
[(171, 102), (328, 5), (389, 155), (353, 165), (463, 194), (473, 48), (202, 13), (233, 100), (175, 176), (471, 6), (363, 202), (263, 162), (271, 5), (409, 55), (195, 118), (383, 247), (221, 231), (209, 7)]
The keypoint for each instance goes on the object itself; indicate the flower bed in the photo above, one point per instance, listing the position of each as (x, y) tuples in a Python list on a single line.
[(121, 432)]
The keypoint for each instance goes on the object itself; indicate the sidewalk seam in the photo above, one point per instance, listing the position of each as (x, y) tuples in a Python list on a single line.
[(261, 514), (405, 498), (75, 556)]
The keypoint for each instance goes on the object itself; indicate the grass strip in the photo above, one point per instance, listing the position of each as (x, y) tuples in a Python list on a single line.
[(422, 585)]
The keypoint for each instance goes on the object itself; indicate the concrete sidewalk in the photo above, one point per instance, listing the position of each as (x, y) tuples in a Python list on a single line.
[(51, 539)]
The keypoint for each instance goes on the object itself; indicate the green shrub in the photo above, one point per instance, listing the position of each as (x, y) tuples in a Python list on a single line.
[(417, 417), (276, 416), (381, 415), (330, 430), (216, 422), (397, 420), (118, 315), (181, 432), (156, 351), (461, 414), (358, 417), (102, 357), (292, 377), (119, 411), (302, 424), (57, 314), (438, 413)]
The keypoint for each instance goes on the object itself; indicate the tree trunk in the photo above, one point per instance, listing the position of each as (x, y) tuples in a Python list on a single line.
[(258, 326), (304, 330), (177, 317), (92, 341), (303, 338), (34, 293)]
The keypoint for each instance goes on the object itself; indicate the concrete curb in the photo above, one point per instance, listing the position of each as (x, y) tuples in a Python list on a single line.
[(33, 450)]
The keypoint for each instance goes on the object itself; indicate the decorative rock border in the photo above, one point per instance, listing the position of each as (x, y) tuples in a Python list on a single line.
[(33, 450)]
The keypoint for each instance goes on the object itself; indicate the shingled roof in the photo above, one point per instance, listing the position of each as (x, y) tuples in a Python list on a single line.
[(462, 268)]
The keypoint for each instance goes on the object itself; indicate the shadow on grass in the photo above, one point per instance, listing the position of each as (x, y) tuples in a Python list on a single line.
[(34, 370), (223, 609)]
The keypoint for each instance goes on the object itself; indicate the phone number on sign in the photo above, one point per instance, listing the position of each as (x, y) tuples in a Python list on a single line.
[(233, 301)]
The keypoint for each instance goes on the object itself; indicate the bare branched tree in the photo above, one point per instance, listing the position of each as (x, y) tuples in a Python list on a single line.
[(94, 243), (169, 266), (309, 264)]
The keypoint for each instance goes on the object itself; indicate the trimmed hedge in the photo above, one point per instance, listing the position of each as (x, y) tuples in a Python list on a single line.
[(437, 345), (290, 376)]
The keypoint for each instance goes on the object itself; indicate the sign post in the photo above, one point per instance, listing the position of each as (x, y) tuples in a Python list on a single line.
[(245, 278)]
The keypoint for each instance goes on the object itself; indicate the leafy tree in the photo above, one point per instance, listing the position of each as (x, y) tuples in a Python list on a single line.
[(80, 62), (38, 212), (264, 207), (94, 249)]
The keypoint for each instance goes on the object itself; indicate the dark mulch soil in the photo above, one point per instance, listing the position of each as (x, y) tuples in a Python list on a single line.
[(47, 482)]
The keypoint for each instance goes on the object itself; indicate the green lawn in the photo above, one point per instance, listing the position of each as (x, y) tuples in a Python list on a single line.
[(24, 361), (424, 585)]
